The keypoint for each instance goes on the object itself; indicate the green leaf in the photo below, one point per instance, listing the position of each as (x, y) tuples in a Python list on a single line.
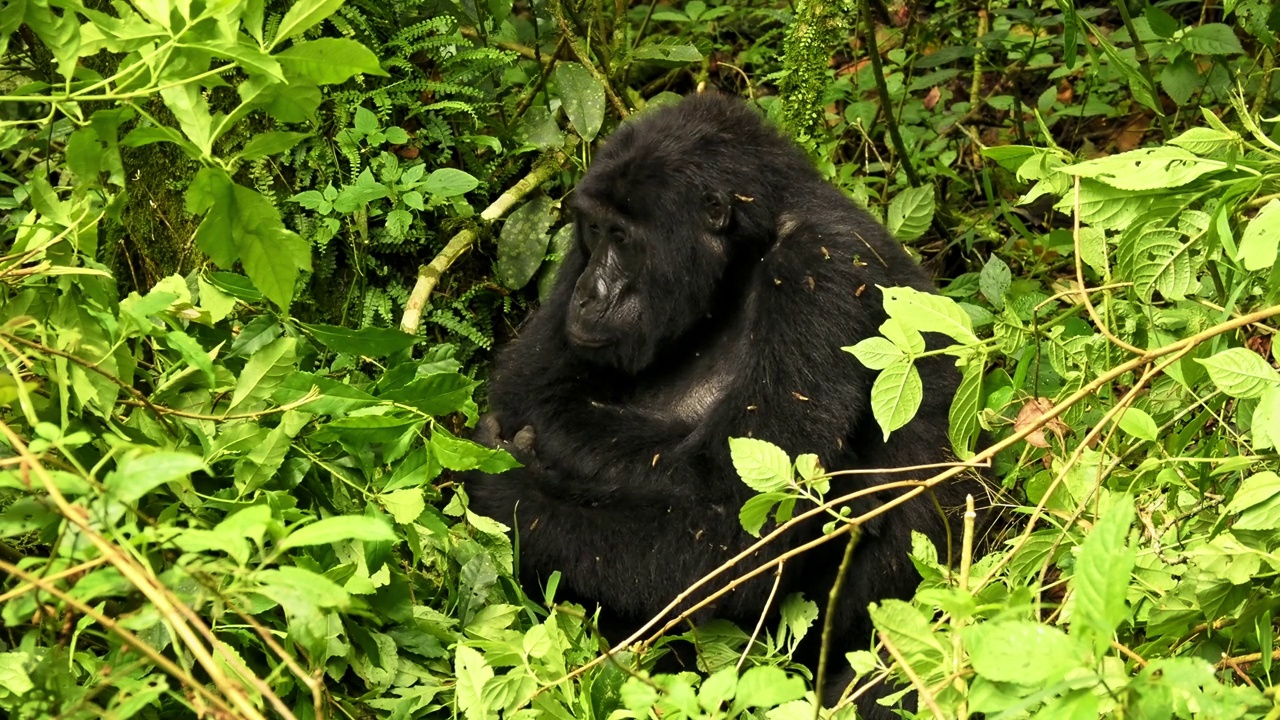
[(1139, 424), (910, 213), (1180, 79), (270, 143), (1258, 502), (1021, 652), (994, 281), (264, 371), (1162, 260), (366, 342), (763, 466), (1206, 141), (911, 632), (303, 15), (965, 407), (241, 224), (137, 475), (582, 97), (1261, 238), (192, 353), (328, 61), (767, 686), (456, 453), (191, 110), (404, 505), (559, 247), (1101, 580), (522, 244), (1241, 373), (926, 312), (755, 511), (1155, 168), (876, 353), (472, 673), (718, 689), (668, 54), (1212, 39), (435, 394), (449, 182), (896, 396), (338, 529), (1265, 426), (336, 398)]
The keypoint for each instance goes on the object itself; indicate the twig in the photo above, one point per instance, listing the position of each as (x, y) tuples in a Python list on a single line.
[(521, 49), (1245, 660), (1084, 296), (1142, 662), (829, 622), (580, 51), (547, 64), (886, 102), (921, 689), (764, 612), (23, 589), (429, 274)]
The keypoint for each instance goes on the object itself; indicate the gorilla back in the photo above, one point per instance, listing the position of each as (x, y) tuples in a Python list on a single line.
[(714, 280)]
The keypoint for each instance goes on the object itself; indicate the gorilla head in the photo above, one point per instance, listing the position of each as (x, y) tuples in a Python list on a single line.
[(658, 234)]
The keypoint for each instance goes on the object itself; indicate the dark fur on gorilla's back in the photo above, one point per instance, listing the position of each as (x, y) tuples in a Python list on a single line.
[(726, 276)]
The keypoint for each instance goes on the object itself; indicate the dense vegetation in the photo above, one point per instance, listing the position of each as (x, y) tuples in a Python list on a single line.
[(253, 258)]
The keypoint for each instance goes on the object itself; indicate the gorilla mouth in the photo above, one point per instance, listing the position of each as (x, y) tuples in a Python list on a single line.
[(582, 340)]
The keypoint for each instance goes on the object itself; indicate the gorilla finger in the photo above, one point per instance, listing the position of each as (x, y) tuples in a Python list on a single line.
[(488, 431), (524, 440)]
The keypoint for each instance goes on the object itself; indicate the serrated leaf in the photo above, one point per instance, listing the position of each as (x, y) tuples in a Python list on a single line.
[(522, 243), (138, 475), (1255, 490), (896, 396), (339, 529), (455, 453), (582, 97), (1161, 260), (755, 511), (927, 312), (1021, 652), (1180, 79), (763, 466), (472, 674), (876, 353), (1264, 429), (963, 415), (1212, 39), (1261, 238), (1240, 373), (910, 213), (404, 505), (1101, 579), (766, 686)]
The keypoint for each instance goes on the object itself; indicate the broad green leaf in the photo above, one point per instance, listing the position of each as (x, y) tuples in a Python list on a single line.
[(1265, 426), (1212, 39), (1139, 424), (755, 511), (1180, 79), (926, 312), (522, 243), (335, 397), (456, 453), (1206, 141), (910, 213), (192, 353), (1163, 260), (1255, 490), (876, 353), (763, 466), (766, 686), (365, 342), (191, 110), (328, 61), (1021, 652), (896, 396), (718, 689), (903, 336), (1101, 580), (559, 247), (1241, 373), (137, 475), (241, 224), (911, 632), (270, 143), (1147, 168), (435, 394), (963, 416), (668, 54), (1261, 238), (582, 97), (338, 529), (994, 281), (293, 586), (404, 505), (264, 371), (472, 674), (449, 182), (303, 15)]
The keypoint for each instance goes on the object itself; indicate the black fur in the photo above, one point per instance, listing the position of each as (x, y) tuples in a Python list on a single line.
[(738, 276)]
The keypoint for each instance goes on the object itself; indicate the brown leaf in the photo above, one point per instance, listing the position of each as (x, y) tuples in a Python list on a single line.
[(932, 98), (1030, 414)]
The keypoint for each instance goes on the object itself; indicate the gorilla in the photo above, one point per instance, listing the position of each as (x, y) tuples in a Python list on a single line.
[(714, 279)]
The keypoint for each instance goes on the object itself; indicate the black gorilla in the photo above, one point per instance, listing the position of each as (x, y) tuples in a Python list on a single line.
[(714, 280)]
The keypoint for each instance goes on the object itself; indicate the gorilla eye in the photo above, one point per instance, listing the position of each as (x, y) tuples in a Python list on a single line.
[(617, 235)]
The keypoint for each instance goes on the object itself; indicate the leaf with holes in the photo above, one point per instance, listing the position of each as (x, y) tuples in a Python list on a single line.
[(1147, 169), (911, 212)]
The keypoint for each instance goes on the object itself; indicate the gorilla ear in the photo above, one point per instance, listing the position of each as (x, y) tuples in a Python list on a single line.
[(717, 210)]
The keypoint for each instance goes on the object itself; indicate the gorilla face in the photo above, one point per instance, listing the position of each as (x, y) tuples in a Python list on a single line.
[(648, 278)]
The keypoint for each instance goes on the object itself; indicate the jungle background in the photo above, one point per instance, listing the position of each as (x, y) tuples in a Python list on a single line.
[(255, 255)]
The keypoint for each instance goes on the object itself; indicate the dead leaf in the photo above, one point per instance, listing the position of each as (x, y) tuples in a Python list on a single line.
[(1030, 415)]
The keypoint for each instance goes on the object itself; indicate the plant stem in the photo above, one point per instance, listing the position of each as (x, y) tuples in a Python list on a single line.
[(1144, 65), (877, 69)]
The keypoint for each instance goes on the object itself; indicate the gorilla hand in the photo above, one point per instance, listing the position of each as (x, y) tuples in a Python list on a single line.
[(521, 446)]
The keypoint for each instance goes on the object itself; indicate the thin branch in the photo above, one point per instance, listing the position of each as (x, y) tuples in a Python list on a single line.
[(1144, 64), (429, 275), (580, 51), (886, 102), (921, 689), (829, 622), (764, 612)]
